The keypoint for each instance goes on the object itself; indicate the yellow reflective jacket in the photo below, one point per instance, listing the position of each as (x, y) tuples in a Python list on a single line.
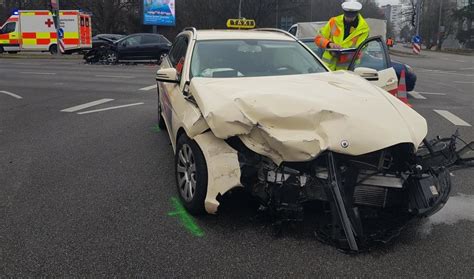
[(333, 32)]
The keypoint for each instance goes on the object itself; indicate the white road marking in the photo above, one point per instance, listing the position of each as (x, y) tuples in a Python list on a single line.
[(464, 82), (452, 118), (37, 73), (148, 88), (436, 72), (467, 69), (431, 93), (462, 61), (417, 95), (11, 94), (112, 76), (109, 108), (87, 105)]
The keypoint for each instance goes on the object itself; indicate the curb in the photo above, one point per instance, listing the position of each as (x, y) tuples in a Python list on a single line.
[(405, 54), (39, 56)]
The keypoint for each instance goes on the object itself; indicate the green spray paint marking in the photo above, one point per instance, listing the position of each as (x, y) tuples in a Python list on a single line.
[(186, 219), (156, 128)]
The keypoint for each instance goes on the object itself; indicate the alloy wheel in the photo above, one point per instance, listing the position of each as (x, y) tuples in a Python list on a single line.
[(186, 172)]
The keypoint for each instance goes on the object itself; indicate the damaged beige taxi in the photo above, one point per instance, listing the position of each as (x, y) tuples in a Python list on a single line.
[(257, 109)]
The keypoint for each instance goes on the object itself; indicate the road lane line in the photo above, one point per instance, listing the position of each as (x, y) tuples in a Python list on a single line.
[(109, 108), (462, 61), (416, 95), (432, 93), (148, 88), (37, 73), (467, 69), (112, 76), (87, 105), (452, 118), (11, 94), (464, 82), (439, 72)]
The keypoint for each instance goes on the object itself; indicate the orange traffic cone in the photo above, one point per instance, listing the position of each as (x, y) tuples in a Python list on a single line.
[(402, 89)]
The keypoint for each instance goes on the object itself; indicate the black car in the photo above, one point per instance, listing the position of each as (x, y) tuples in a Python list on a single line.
[(141, 46), (410, 76)]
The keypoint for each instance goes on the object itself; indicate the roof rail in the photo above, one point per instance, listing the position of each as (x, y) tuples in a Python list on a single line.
[(276, 30), (193, 30)]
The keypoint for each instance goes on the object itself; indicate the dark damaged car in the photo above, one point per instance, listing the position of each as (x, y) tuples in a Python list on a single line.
[(129, 48)]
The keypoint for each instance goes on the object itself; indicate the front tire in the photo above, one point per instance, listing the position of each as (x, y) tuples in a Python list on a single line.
[(191, 175), (111, 57)]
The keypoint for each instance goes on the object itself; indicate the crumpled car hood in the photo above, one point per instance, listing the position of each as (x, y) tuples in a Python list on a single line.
[(294, 118)]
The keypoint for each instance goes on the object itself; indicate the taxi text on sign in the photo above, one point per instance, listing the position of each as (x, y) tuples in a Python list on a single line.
[(241, 23)]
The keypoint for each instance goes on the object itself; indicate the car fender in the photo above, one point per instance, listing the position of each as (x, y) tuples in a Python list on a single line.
[(223, 168)]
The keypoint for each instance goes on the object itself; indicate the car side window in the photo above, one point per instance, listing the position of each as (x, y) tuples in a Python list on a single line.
[(131, 42), (8, 28), (148, 39), (372, 55), (163, 40), (178, 50)]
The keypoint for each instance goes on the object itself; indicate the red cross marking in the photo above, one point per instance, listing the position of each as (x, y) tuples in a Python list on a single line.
[(49, 22)]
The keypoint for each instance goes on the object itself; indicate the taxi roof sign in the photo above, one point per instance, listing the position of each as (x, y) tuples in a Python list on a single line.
[(241, 23)]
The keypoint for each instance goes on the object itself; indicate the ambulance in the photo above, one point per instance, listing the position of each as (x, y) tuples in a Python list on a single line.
[(35, 31)]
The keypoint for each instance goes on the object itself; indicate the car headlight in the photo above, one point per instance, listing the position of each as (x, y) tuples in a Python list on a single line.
[(409, 69)]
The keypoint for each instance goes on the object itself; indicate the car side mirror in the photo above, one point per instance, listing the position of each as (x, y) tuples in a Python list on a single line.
[(367, 73), (467, 152), (167, 75)]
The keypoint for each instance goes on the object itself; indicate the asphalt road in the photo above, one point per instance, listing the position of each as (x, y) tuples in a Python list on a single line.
[(91, 194)]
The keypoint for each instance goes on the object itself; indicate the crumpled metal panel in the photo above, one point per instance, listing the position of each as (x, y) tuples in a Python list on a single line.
[(296, 117)]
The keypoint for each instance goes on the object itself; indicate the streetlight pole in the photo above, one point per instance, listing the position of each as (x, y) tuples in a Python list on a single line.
[(240, 9), (276, 12), (418, 16), (439, 24)]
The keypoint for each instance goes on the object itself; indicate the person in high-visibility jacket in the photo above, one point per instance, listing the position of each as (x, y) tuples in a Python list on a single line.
[(348, 30)]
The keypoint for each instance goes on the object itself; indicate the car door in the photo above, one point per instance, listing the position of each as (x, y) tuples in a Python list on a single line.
[(149, 46), (170, 94), (373, 54), (129, 48)]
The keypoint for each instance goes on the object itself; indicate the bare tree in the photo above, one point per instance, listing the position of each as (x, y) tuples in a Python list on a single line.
[(409, 13)]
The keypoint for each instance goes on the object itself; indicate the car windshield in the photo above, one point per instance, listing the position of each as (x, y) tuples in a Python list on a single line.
[(251, 58)]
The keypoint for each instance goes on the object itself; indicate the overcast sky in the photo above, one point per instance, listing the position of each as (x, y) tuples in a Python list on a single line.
[(384, 2)]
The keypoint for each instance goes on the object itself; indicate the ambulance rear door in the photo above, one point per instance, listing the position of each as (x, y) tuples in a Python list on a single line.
[(70, 24), (86, 31)]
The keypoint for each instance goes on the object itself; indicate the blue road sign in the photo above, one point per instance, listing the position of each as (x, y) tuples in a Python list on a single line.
[(417, 39), (61, 33)]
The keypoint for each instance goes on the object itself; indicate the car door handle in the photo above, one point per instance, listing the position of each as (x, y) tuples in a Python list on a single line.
[(392, 81)]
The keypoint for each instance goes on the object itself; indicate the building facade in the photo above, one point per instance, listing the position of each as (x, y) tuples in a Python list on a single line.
[(394, 16)]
